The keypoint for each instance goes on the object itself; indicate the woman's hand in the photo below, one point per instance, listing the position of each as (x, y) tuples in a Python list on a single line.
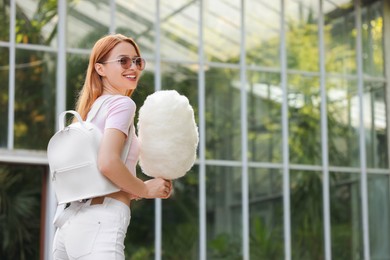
[(158, 188), (134, 197)]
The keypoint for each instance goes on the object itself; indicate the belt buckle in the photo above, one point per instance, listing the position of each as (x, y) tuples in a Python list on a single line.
[(97, 201)]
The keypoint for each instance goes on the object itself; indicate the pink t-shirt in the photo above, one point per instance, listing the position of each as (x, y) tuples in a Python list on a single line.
[(118, 112)]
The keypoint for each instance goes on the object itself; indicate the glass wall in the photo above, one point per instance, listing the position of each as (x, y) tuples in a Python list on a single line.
[(290, 98)]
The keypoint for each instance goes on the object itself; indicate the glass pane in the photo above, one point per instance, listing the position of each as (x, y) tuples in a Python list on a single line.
[(183, 79), (375, 125), (266, 214), (76, 69), (306, 215), (4, 98), (145, 85), (34, 99), (179, 29), (87, 21), (21, 211), (4, 20), (264, 117), (222, 30), (302, 34), (136, 19), (36, 22), (379, 216), (372, 35), (139, 241), (340, 36), (304, 120), (223, 131), (224, 213), (262, 33), (345, 214), (343, 122), (181, 219)]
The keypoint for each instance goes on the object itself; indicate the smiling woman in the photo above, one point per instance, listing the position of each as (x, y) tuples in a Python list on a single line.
[(95, 226)]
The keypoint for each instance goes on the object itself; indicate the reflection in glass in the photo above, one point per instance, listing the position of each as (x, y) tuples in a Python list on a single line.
[(179, 29), (4, 20), (181, 219), (375, 125), (266, 214), (224, 216), (302, 35), (306, 215), (222, 30), (264, 117), (223, 132), (4, 77), (36, 22), (136, 19), (379, 216), (343, 122), (87, 21), (262, 33), (372, 35), (340, 36), (304, 120), (345, 214), (34, 99)]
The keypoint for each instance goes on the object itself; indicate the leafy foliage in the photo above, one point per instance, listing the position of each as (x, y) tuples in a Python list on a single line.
[(20, 198)]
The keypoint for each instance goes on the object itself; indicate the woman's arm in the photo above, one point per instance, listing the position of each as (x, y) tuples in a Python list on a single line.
[(111, 165)]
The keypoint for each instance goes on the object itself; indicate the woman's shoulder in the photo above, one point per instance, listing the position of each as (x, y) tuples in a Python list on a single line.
[(120, 99), (120, 102)]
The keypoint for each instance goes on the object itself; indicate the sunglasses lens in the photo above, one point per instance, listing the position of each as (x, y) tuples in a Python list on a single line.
[(140, 62), (125, 62)]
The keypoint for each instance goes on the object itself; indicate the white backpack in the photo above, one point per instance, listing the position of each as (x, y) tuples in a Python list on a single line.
[(72, 153)]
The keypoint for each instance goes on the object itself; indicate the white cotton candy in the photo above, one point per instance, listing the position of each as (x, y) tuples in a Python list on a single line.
[(168, 135)]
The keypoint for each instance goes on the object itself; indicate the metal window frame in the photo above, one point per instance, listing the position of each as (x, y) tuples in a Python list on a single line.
[(285, 147), (202, 137), (244, 139), (11, 80), (362, 142), (157, 87), (324, 136)]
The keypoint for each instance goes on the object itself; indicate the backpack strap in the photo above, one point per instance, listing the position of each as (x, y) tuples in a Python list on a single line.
[(95, 110), (126, 148), (62, 119), (96, 107)]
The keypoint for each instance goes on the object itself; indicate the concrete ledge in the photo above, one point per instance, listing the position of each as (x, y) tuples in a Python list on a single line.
[(23, 156)]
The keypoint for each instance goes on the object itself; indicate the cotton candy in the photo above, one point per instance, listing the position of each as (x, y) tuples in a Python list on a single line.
[(168, 135)]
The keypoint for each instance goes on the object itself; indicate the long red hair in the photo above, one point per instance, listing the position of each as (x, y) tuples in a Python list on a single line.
[(93, 85)]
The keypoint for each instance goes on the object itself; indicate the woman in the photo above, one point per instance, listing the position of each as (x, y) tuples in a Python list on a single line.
[(96, 228)]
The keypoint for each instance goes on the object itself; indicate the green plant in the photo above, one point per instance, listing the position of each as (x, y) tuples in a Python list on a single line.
[(20, 197)]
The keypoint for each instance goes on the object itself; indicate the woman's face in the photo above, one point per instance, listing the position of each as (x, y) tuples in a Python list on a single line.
[(116, 76)]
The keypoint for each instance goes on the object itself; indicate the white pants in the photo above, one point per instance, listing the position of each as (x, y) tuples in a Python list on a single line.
[(92, 232)]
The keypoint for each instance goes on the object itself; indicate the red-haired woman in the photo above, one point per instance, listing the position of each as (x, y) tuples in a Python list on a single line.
[(96, 228)]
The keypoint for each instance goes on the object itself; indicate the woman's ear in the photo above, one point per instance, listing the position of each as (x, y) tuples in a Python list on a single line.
[(100, 69)]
